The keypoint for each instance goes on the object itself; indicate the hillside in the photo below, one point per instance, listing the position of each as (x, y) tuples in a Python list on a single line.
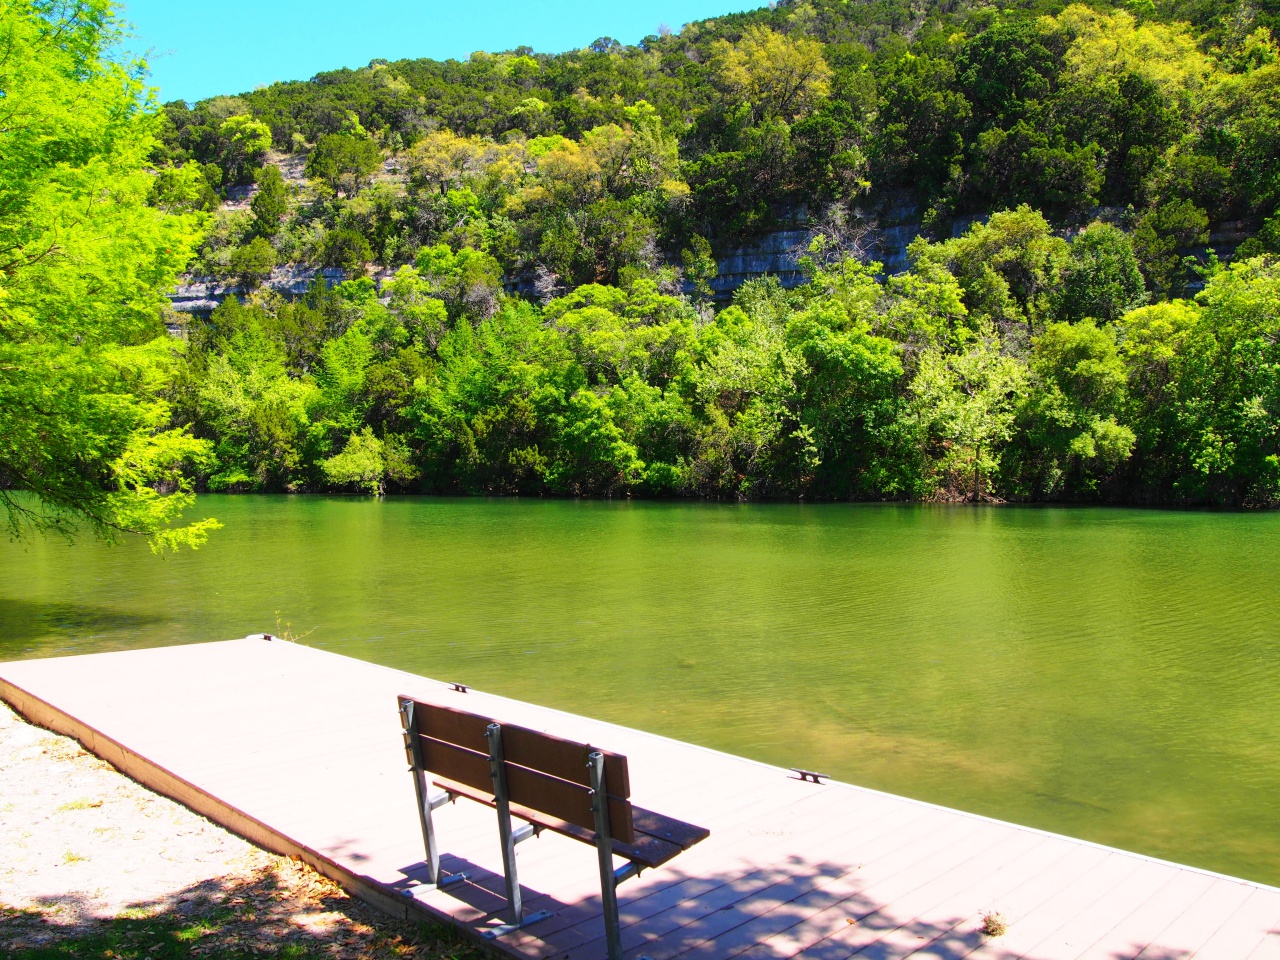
[(731, 126), (531, 246)]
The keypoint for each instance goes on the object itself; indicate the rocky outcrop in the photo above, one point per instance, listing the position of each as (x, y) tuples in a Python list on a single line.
[(776, 253), (880, 232), (200, 296)]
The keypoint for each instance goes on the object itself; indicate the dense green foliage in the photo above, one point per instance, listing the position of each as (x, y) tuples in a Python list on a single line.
[(1036, 355), (1077, 341), (593, 163), (87, 248), (963, 377)]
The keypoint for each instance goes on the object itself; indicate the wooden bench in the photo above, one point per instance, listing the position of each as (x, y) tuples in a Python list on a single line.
[(550, 784)]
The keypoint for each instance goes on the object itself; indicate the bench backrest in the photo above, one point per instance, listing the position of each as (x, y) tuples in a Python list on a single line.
[(545, 774)]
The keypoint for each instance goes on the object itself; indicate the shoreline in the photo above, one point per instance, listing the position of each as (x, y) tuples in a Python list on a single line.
[(93, 861)]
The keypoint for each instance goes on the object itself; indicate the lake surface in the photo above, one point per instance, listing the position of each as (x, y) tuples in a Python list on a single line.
[(1112, 675)]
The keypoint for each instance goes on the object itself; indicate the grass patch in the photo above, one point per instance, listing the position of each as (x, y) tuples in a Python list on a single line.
[(994, 924), (79, 805), (175, 938), (287, 912)]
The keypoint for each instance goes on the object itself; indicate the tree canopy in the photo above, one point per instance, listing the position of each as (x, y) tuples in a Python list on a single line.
[(85, 430)]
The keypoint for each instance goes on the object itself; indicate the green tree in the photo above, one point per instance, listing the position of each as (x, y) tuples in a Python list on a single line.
[(441, 160), (252, 264), (247, 141), (1003, 67), (1102, 278), (1163, 239), (343, 162), (367, 463), (468, 281), (270, 203), (347, 249), (1069, 439), (1010, 268), (700, 267), (965, 407), (848, 404), (423, 315), (246, 402), (778, 76), (85, 433)]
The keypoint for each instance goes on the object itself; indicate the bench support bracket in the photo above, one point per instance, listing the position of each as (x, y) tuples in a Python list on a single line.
[(426, 802), (604, 848), (526, 832), (508, 837), (494, 932)]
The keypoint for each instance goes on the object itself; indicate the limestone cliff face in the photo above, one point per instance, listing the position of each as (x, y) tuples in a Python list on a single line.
[(884, 233), (200, 296)]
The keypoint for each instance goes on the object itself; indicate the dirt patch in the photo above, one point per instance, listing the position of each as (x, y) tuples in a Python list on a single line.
[(92, 864)]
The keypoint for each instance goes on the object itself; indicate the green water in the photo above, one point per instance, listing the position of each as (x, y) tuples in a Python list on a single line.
[(1112, 675)]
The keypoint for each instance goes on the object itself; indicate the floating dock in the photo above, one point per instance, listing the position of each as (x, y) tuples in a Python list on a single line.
[(300, 751)]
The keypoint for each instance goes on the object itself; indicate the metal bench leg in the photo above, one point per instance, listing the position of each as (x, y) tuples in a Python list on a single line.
[(508, 838), (426, 802), (604, 847)]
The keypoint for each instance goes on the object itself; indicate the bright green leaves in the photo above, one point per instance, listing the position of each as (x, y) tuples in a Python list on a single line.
[(848, 405), (84, 431), (367, 462), (343, 162), (965, 405), (247, 141), (86, 257), (616, 334), (91, 241), (1010, 267), (778, 77), (468, 281), (1069, 436)]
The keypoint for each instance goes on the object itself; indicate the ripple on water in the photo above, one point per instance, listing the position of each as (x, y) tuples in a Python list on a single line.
[(1109, 674)]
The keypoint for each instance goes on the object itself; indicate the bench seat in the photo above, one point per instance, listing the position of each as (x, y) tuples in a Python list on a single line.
[(658, 838)]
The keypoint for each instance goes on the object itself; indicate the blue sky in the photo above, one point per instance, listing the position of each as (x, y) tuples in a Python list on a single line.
[(195, 53)]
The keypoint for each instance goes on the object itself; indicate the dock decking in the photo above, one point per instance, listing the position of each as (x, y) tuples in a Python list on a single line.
[(300, 751)]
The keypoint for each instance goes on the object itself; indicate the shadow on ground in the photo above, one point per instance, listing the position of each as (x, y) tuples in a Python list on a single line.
[(796, 908), (287, 912)]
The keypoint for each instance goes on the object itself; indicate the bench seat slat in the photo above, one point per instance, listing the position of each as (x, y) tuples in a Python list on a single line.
[(684, 835), (648, 850)]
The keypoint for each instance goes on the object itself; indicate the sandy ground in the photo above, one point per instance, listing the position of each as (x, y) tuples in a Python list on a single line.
[(83, 841), (81, 844)]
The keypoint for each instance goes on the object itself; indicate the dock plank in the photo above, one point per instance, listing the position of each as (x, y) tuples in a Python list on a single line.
[(787, 867)]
